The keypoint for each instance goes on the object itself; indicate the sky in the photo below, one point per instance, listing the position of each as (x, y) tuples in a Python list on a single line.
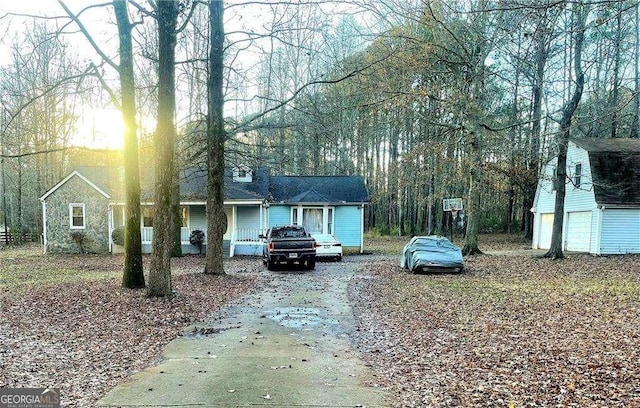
[(98, 128), (101, 26)]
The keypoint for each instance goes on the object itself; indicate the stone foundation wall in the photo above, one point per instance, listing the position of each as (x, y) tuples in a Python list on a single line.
[(96, 231)]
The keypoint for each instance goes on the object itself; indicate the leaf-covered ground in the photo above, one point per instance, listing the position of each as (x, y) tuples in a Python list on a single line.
[(512, 331), (66, 322)]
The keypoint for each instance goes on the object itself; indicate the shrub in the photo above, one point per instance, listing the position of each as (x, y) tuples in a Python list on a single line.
[(197, 239), (80, 238), (117, 235)]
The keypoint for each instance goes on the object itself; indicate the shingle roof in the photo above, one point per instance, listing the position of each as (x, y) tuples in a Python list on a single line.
[(288, 189), (306, 189), (193, 185), (615, 169)]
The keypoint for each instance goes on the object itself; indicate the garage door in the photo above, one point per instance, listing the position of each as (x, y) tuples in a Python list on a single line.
[(578, 231), (546, 227)]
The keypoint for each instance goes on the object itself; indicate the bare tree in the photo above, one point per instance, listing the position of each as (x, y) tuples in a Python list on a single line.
[(164, 143), (133, 276), (579, 13), (216, 218)]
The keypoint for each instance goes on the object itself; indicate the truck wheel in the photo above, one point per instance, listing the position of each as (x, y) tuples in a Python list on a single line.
[(311, 263), (269, 264)]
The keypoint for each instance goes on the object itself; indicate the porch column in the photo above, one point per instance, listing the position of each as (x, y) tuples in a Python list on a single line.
[(234, 222), (110, 226)]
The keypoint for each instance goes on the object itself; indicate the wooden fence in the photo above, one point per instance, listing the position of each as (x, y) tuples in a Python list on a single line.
[(12, 238)]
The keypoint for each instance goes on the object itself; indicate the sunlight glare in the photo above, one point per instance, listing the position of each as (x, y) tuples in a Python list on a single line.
[(100, 129)]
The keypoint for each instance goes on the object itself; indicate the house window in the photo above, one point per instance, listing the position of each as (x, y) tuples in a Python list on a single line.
[(147, 216), (577, 176), (242, 174), (77, 218), (314, 219)]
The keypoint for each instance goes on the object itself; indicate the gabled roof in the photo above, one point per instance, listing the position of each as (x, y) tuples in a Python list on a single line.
[(100, 178), (305, 189), (309, 196), (193, 185), (615, 169)]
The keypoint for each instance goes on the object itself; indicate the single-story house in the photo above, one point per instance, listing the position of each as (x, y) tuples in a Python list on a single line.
[(602, 201), (89, 203)]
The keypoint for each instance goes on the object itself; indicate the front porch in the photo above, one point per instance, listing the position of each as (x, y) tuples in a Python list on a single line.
[(241, 241), (246, 221)]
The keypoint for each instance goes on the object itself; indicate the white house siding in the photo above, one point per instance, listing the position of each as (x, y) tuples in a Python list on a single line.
[(620, 231), (579, 198)]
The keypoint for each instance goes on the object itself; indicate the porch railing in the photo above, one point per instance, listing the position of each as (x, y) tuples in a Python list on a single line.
[(242, 235), (185, 234), (247, 235)]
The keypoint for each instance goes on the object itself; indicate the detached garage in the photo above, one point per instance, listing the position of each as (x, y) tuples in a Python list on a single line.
[(602, 202)]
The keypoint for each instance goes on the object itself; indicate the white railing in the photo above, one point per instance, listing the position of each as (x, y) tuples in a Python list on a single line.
[(242, 235), (147, 235), (247, 235), (185, 234)]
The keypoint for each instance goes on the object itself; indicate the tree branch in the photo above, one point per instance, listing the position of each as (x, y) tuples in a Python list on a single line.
[(95, 46)]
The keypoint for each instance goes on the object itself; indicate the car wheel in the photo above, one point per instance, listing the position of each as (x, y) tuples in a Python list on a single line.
[(339, 258)]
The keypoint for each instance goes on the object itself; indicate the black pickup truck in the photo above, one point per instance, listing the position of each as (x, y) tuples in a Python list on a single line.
[(289, 244)]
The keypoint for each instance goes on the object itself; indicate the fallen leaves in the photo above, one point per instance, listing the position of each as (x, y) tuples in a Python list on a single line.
[(87, 335), (515, 331)]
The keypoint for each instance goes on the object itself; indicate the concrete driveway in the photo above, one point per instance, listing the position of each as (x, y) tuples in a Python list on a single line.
[(287, 345)]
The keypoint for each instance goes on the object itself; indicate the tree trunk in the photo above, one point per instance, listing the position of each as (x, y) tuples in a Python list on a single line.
[(216, 218), (614, 102), (176, 250), (473, 203), (635, 126), (542, 54), (133, 276), (164, 144), (555, 250)]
